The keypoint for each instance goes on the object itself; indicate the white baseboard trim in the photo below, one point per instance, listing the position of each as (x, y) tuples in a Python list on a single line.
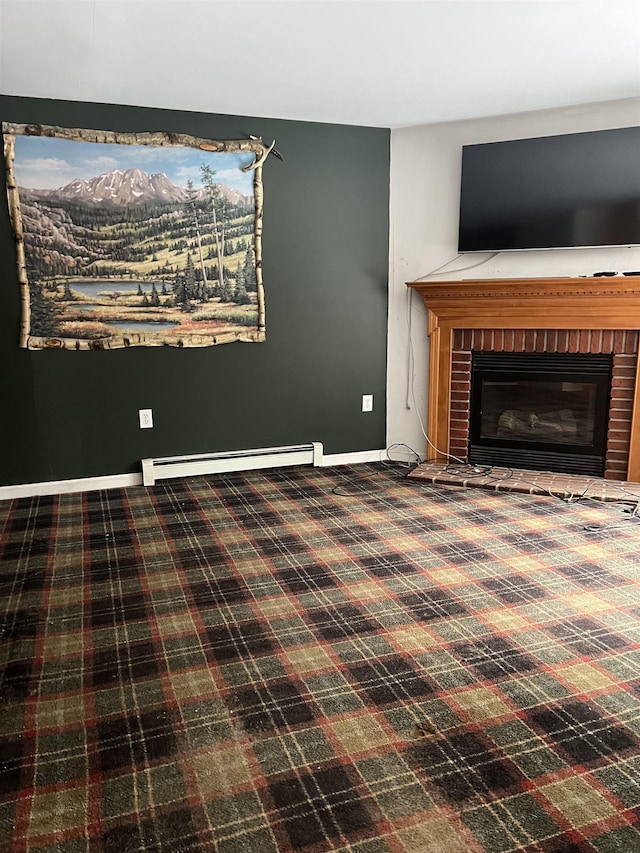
[(354, 458), (61, 487), (120, 481)]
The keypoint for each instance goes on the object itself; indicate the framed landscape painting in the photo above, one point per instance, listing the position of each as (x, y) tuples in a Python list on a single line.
[(135, 239)]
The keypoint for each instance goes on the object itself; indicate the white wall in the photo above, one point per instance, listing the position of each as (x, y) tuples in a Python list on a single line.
[(425, 186)]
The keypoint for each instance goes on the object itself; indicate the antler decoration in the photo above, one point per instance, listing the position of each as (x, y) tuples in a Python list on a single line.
[(261, 154), (266, 150), (257, 163)]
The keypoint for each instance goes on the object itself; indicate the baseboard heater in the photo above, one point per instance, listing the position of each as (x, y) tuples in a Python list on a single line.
[(164, 467)]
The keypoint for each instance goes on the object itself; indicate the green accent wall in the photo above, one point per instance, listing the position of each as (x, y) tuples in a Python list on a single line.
[(325, 264)]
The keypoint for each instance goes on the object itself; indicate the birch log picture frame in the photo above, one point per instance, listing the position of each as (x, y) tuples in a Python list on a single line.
[(135, 239)]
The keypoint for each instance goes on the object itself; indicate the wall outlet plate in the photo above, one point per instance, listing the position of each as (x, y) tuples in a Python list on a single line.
[(367, 402), (146, 418)]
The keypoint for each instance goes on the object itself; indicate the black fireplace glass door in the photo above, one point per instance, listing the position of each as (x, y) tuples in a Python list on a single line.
[(553, 405)]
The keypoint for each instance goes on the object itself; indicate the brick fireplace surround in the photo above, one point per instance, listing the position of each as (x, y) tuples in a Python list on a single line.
[(554, 315)]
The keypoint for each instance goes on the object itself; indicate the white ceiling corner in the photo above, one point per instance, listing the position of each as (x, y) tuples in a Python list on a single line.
[(381, 63)]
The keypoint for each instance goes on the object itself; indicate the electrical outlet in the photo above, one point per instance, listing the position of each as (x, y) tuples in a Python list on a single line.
[(146, 418), (367, 402)]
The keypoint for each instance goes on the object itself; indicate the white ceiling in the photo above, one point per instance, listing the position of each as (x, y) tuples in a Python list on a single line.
[(363, 62)]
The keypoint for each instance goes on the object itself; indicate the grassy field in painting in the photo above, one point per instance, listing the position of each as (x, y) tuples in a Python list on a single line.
[(154, 270)]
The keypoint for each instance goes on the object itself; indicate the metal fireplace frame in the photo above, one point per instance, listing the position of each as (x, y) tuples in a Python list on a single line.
[(541, 454)]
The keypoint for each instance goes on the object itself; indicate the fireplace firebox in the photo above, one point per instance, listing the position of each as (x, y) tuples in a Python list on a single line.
[(542, 411)]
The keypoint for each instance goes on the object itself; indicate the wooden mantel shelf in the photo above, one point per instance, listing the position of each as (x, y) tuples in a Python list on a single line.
[(605, 302)]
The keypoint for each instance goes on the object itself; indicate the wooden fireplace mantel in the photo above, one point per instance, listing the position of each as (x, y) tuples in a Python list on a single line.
[(522, 303)]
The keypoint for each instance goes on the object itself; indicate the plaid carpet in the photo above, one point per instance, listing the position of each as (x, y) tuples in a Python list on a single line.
[(295, 661)]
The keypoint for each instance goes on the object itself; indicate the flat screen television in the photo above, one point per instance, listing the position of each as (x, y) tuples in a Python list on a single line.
[(577, 189)]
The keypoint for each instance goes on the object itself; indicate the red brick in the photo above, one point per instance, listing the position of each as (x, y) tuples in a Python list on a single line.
[(574, 337), (614, 436), (625, 373), (467, 339), (607, 341), (459, 433), (498, 340), (518, 340), (584, 340), (618, 434), (508, 340), (541, 340), (458, 452), (620, 422), (625, 359), (458, 380), (618, 341), (563, 340), (621, 394), (623, 434), (622, 382), (617, 455), (461, 375), (459, 440), (624, 370), (616, 472), (617, 464), (595, 342), (618, 476), (461, 366), (457, 339), (631, 341)]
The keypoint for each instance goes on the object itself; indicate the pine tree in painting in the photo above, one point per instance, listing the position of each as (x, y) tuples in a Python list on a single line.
[(249, 271), (43, 313), (190, 279)]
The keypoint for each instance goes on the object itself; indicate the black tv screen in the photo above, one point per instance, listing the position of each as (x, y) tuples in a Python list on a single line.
[(578, 189)]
